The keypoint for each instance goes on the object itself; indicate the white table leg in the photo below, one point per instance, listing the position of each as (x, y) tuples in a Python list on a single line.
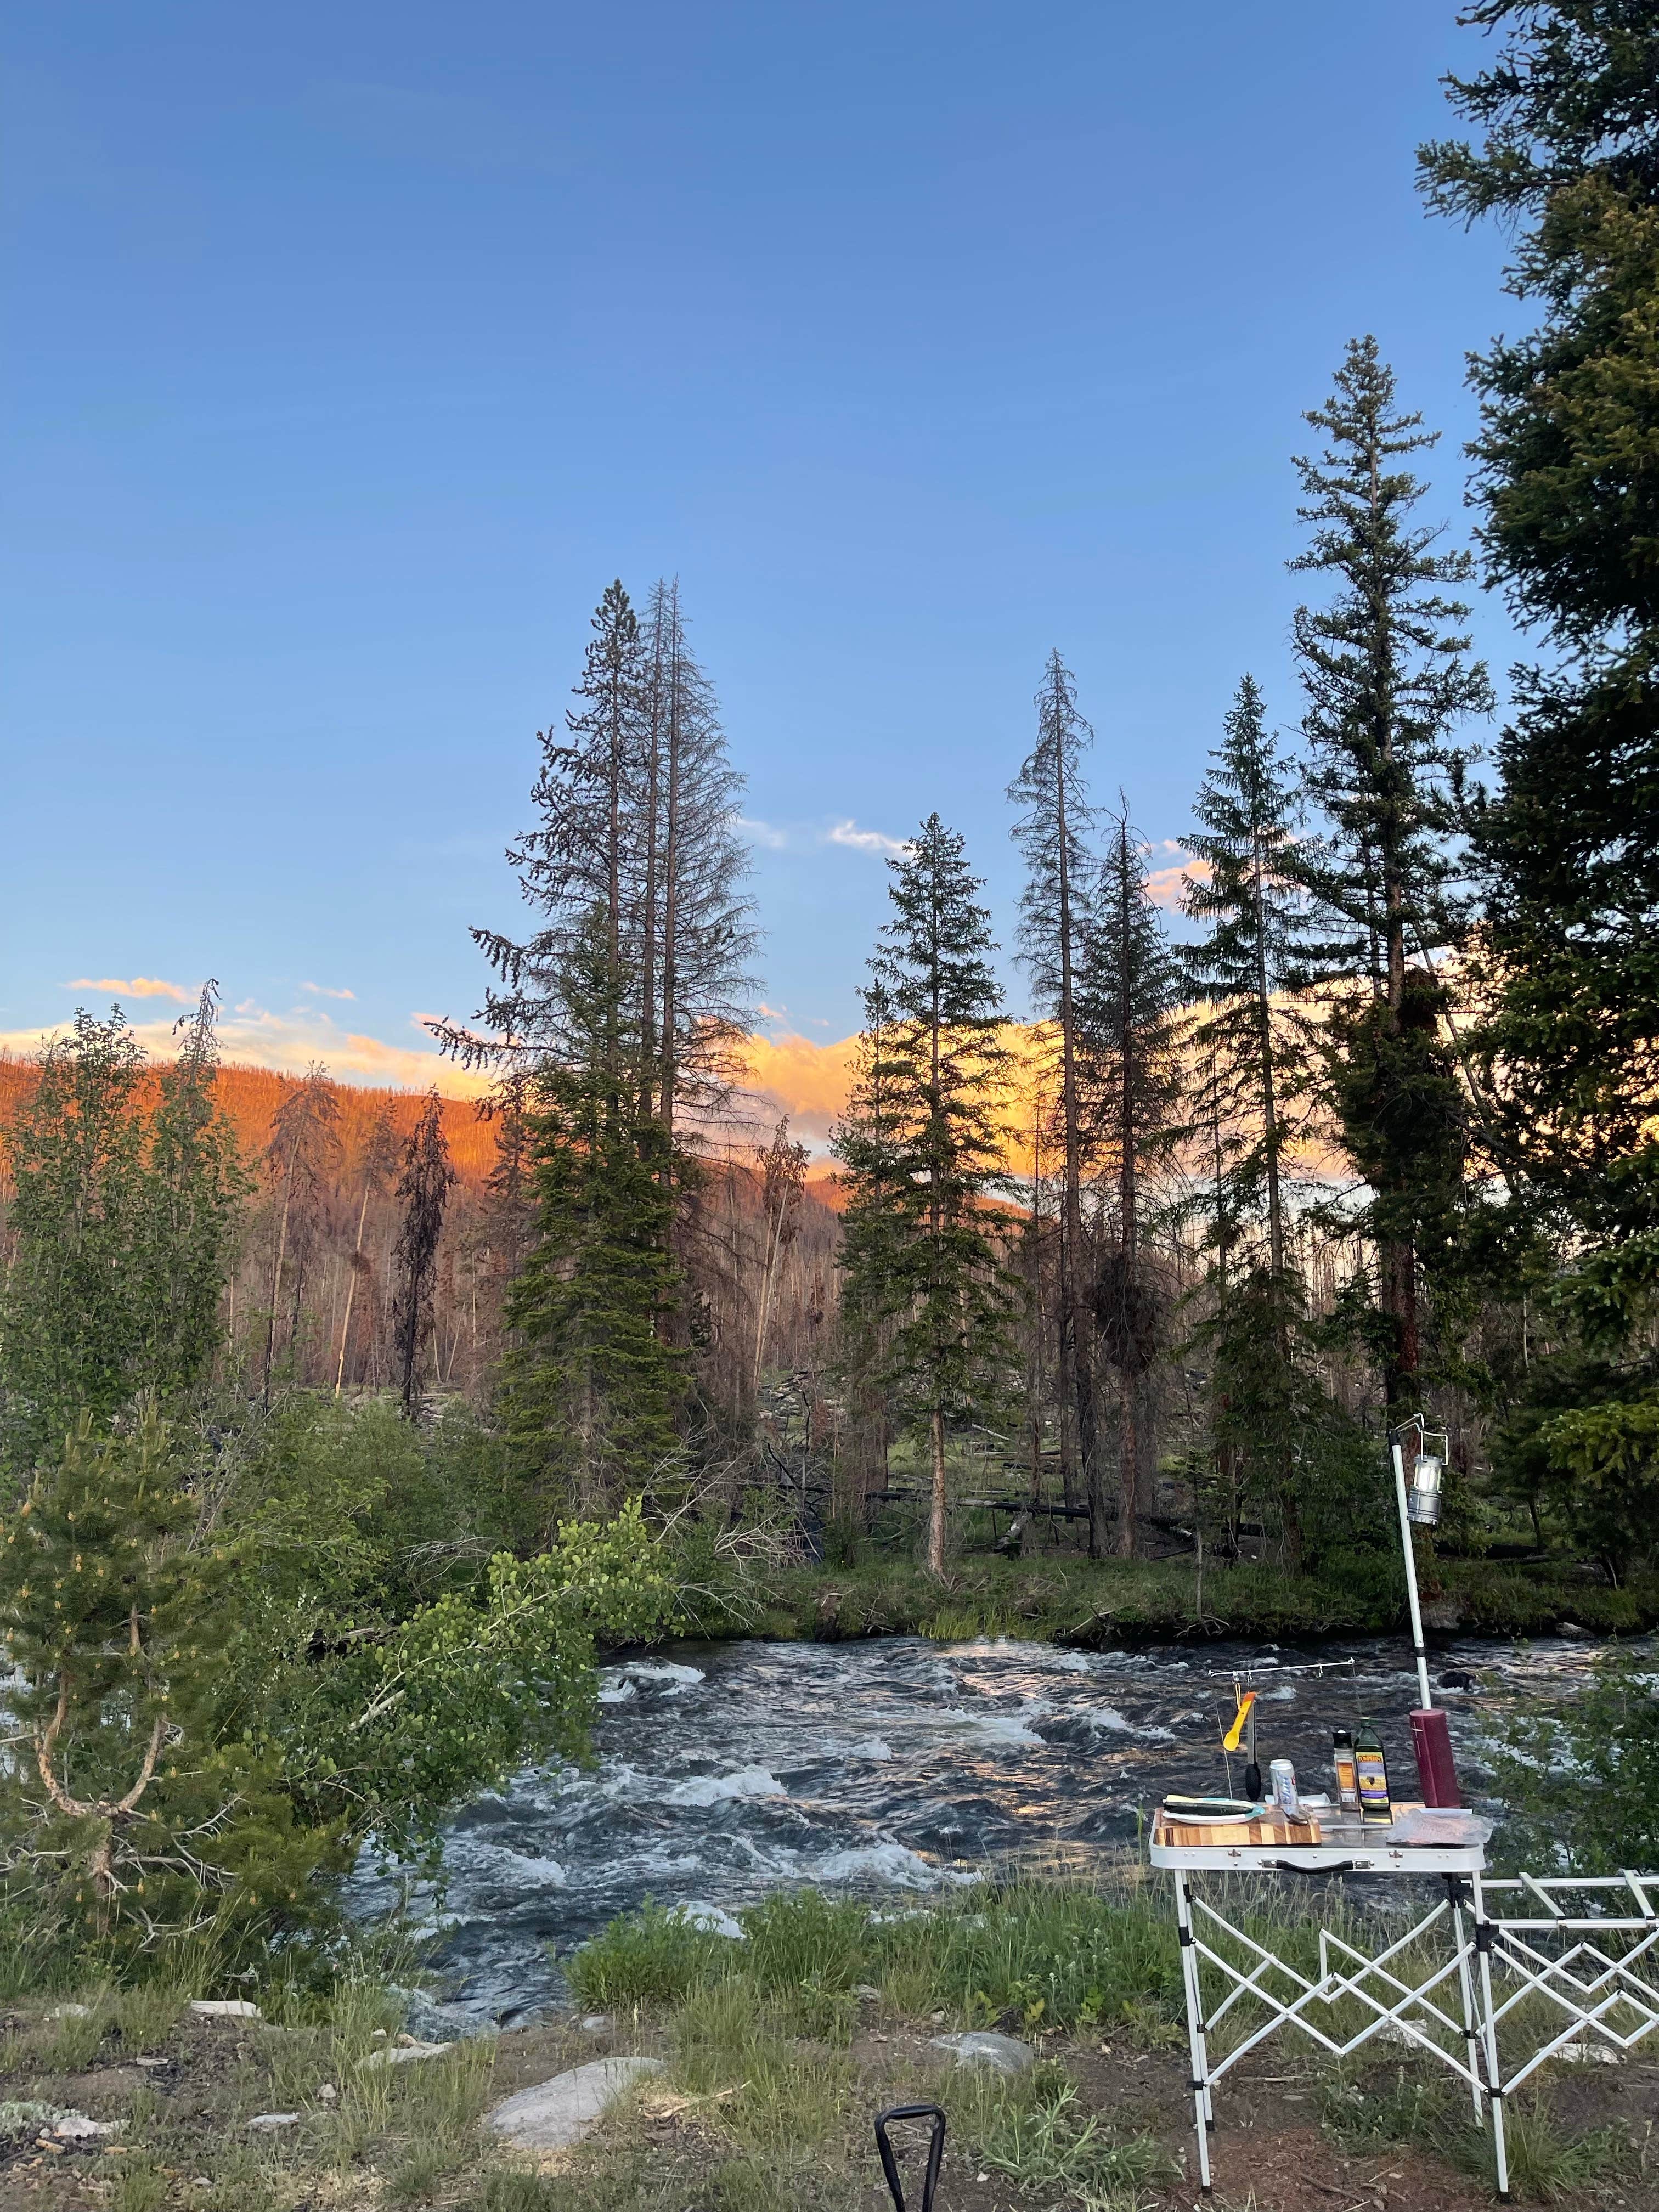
[(1483, 1931), (1203, 2119), (1471, 2033)]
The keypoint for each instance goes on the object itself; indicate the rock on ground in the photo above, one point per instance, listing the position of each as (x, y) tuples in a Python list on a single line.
[(558, 2113), (981, 2047), (225, 2008)]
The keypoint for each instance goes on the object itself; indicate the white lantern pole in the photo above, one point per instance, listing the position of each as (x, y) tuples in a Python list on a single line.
[(1410, 1549)]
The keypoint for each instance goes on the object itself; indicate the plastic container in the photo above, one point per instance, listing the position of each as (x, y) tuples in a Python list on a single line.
[(1347, 1779)]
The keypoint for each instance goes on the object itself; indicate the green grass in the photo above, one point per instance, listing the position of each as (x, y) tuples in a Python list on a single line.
[(1038, 1952), (1060, 1594)]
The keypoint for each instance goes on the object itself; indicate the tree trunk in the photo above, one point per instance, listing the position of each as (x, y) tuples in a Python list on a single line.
[(1128, 1197), (936, 1518), (1075, 1344)]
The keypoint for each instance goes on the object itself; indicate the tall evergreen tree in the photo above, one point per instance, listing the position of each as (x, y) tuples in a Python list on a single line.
[(1245, 966), (1388, 678), (697, 936), (1052, 833), (1567, 475), (424, 1187), (1131, 1086), (583, 854), (865, 1141), (636, 807), (591, 1384), (1255, 1045), (923, 1151)]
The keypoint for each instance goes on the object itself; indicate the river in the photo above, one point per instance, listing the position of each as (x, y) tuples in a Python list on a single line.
[(896, 1765)]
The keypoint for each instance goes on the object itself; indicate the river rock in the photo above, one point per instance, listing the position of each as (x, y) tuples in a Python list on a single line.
[(404, 2052), (710, 1920), (28, 2116), (558, 2113), (1573, 1631), (978, 2046)]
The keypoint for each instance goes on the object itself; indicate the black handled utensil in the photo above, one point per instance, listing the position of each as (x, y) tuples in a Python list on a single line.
[(935, 2151)]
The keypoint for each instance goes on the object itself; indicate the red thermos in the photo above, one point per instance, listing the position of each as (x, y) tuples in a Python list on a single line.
[(1432, 1743)]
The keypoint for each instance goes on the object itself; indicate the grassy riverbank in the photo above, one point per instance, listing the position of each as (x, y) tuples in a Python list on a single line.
[(1059, 1597), (775, 2051)]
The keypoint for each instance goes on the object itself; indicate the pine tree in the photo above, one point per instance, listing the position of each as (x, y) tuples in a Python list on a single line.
[(1244, 968), (636, 807), (923, 1151), (1256, 1047), (1131, 1083), (423, 1186), (865, 1141), (126, 1796), (125, 1215), (1567, 474), (1053, 835), (783, 1176), (592, 1387), (1388, 678), (582, 855), (698, 935), (199, 1185)]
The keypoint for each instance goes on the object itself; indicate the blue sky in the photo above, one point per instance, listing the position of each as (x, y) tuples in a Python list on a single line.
[(356, 347)]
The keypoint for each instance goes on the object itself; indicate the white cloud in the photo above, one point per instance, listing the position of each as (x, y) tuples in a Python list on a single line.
[(132, 987), (761, 832), (864, 841), (771, 1013), (323, 991)]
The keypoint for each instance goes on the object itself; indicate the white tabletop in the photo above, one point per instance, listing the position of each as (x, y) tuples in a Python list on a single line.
[(1368, 1853)]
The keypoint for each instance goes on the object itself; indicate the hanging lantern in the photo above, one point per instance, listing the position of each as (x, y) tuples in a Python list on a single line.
[(1423, 1496)]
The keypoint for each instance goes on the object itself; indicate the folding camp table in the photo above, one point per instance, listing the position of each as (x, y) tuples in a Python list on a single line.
[(1405, 1995)]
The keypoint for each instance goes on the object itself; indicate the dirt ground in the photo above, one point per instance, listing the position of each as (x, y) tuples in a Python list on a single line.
[(194, 2094)]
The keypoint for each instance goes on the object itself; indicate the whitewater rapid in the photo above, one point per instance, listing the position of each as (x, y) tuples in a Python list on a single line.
[(896, 1766)]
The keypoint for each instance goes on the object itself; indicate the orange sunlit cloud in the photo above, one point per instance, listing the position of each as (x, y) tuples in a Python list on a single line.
[(253, 1036), (1166, 886), (132, 987)]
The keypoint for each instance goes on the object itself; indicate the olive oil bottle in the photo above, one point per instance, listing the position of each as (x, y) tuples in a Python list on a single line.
[(1372, 1773)]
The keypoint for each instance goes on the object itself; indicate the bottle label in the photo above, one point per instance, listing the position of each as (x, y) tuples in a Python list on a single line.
[(1373, 1778)]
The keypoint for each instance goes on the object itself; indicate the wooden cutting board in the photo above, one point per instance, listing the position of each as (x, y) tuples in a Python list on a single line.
[(1226, 1833)]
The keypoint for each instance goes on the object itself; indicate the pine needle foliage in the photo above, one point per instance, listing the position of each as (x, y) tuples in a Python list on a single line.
[(1386, 670), (921, 1145), (1132, 1080), (592, 1385), (423, 1186), (127, 1190), (1245, 968), (1055, 913), (130, 1807), (1566, 477)]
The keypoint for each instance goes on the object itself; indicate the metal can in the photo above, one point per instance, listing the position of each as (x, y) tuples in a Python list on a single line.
[(1281, 1785)]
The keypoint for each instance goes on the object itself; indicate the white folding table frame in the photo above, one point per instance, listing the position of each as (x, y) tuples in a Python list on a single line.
[(1395, 1995), (1588, 1947)]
